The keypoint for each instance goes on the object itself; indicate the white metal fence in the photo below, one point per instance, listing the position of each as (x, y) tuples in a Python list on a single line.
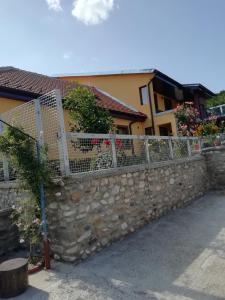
[(212, 141), (92, 152), (43, 119), (70, 153)]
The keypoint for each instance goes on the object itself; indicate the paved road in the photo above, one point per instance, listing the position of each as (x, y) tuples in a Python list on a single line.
[(179, 257)]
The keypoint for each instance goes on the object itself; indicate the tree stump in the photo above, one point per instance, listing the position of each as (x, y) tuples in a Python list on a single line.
[(13, 277)]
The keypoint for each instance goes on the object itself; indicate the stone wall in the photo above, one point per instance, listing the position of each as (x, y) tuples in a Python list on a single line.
[(215, 162), (11, 194), (8, 232), (86, 213)]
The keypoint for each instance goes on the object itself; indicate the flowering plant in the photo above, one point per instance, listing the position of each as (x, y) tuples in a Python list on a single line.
[(28, 220), (207, 128), (107, 142), (119, 143), (187, 119)]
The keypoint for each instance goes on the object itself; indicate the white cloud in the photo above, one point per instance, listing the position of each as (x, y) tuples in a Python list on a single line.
[(54, 5), (92, 12), (67, 55)]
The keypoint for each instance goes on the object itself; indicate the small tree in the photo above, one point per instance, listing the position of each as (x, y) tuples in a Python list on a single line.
[(218, 99), (86, 115)]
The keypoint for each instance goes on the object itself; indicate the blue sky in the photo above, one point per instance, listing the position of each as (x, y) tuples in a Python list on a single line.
[(183, 38)]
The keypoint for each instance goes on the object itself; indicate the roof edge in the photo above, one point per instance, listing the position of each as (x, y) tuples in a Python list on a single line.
[(117, 100), (201, 86), (105, 73)]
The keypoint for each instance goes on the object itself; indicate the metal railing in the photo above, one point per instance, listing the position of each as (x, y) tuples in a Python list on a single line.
[(42, 119), (69, 153), (95, 152), (218, 110), (212, 141)]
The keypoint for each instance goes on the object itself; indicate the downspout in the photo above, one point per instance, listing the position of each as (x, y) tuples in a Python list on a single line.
[(150, 103), (130, 124)]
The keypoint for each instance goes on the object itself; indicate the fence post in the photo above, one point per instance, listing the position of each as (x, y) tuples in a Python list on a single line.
[(189, 147), (171, 148), (38, 121), (5, 162), (200, 144), (114, 156), (147, 150), (63, 150)]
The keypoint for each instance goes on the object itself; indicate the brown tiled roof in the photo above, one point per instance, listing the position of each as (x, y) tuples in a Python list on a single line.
[(110, 103), (28, 82)]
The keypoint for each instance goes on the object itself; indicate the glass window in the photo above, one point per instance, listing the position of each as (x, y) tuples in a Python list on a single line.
[(144, 95), (122, 130), (148, 131)]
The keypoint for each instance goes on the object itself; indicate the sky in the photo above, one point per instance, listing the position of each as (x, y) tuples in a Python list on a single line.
[(183, 38)]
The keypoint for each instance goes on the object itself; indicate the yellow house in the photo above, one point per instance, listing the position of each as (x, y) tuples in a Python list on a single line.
[(150, 92), (19, 86)]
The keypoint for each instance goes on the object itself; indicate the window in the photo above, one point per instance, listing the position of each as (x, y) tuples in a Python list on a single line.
[(122, 130), (165, 130), (143, 94), (148, 131), (127, 144)]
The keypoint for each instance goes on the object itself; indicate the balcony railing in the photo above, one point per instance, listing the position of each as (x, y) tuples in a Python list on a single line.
[(218, 110), (161, 113)]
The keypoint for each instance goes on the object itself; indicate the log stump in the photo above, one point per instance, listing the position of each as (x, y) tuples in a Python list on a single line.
[(13, 277)]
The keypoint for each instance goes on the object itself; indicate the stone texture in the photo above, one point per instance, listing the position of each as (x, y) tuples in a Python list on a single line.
[(215, 162), (104, 207), (11, 194), (8, 232), (88, 212)]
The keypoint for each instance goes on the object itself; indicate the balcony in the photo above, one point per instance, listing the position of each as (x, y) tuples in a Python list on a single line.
[(218, 110)]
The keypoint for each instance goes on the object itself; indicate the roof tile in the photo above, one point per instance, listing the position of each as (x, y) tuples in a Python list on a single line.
[(25, 81)]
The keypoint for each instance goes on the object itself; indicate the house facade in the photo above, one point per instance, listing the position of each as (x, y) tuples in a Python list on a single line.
[(19, 86), (151, 92)]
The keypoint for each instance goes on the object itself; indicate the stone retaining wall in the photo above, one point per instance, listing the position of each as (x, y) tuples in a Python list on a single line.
[(215, 162), (11, 194), (86, 213), (8, 232)]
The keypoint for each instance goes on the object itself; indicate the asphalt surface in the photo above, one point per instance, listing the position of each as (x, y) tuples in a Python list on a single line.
[(178, 257)]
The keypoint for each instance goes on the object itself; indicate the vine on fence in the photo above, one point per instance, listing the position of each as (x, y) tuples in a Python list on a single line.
[(22, 153)]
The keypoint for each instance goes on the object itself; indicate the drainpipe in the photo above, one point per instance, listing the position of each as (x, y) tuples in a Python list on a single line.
[(130, 124), (150, 103)]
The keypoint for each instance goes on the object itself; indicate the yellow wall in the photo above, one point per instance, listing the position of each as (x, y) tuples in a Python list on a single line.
[(7, 104), (165, 118), (137, 128), (125, 87), (161, 104)]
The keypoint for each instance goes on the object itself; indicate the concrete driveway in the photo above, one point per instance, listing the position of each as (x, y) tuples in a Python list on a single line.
[(179, 257)]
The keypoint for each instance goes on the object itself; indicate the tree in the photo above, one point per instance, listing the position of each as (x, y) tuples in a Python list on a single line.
[(218, 99), (86, 115)]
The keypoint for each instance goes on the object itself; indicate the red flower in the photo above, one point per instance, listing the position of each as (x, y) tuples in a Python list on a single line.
[(119, 143), (94, 141), (107, 142)]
